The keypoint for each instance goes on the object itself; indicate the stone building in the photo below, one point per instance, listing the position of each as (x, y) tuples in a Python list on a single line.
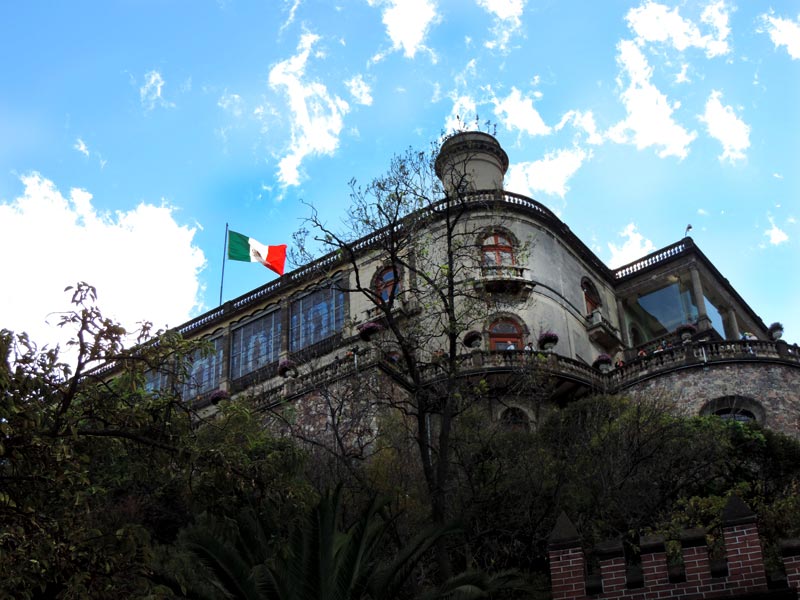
[(669, 323)]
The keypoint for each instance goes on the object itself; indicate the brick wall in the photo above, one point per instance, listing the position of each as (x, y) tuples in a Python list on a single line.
[(743, 577)]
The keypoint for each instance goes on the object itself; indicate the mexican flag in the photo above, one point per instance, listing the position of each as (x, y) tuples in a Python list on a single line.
[(241, 247)]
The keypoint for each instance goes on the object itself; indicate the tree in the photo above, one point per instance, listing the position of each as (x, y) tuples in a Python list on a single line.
[(412, 248), (97, 471), (327, 561)]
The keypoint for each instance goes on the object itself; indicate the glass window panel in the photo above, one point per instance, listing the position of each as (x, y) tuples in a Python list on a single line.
[(255, 344), (156, 380), (315, 317), (205, 370), (661, 311)]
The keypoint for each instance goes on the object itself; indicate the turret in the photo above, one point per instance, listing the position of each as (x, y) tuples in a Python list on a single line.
[(470, 161)]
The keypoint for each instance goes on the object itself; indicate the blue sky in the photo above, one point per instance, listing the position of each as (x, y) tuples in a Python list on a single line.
[(132, 131)]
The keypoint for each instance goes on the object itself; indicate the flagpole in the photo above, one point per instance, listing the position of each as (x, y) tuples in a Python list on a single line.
[(222, 279)]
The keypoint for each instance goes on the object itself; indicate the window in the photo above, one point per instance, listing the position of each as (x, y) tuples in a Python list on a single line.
[(735, 408), (386, 286), (736, 414), (255, 344), (590, 296), (505, 334), (498, 251), (315, 317), (515, 419), (204, 370), (156, 380)]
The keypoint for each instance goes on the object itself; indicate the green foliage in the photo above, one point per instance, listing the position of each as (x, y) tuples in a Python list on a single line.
[(98, 473), (618, 469), (323, 560)]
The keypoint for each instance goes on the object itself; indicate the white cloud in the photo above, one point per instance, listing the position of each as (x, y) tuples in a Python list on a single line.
[(150, 93), (649, 121), (142, 262), (548, 175), (517, 112), (231, 103), (360, 90), (317, 115), (407, 23), (635, 247), (775, 234), (583, 121), (462, 115), (702, 212), (507, 15), (784, 32), (723, 125), (81, 147), (682, 77), (292, 13), (777, 176), (654, 22)]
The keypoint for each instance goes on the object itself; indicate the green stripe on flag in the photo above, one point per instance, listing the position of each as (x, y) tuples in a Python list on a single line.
[(238, 247)]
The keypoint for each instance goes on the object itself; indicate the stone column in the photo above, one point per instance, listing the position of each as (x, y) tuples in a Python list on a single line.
[(703, 322), (623, 323), (731, 324), (225, 374)]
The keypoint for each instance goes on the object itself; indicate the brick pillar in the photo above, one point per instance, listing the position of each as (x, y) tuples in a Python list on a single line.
[(695, 558), (743, 547), (612, 568), (654, 561), (790, 550), (567, 563)]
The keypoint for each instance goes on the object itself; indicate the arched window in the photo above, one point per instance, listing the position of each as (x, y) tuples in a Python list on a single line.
[(386, 285), (498, 251), (515, 419), (590, 296), (735, 408), (505, 334), (736, 414)]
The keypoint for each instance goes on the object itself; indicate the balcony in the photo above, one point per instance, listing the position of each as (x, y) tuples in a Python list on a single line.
[(504, 279), (601, 331), (566, 378)]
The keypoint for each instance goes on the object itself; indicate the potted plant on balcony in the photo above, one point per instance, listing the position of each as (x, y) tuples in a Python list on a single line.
[(367, 330), (287, 368), (603, 363), (686, 331), (547, 340), (775, 330), (218, 395)]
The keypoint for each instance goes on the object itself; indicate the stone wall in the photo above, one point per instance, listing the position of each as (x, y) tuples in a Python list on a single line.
[(774, 386)]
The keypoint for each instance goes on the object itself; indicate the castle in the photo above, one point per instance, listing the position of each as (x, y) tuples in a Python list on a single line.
[(667, 324)]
